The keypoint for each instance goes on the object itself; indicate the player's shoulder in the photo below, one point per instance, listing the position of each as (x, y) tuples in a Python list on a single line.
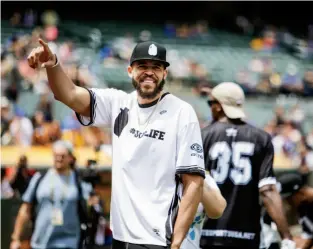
[(245, 128), (109, 92), (179, 104), (214, 127), (186, 112), (258, 133)]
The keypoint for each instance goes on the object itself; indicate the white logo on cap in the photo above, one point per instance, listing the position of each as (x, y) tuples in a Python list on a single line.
[(153, 50)]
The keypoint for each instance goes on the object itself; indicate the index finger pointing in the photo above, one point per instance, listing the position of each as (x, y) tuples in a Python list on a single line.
[(45, 45)]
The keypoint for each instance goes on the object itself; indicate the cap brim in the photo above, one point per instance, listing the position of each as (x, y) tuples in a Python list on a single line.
[(233, 112), (151, 59)]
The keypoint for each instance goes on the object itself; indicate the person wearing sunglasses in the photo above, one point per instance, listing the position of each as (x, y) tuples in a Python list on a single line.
[(240, 159)]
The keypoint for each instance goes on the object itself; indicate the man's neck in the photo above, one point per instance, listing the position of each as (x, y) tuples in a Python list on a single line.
[(64, 171), (224, 119), (143, 101)]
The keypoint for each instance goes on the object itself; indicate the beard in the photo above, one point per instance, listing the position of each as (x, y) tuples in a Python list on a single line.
[(148, 94)]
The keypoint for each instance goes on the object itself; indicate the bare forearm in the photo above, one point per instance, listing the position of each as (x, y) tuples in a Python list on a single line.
[(305, 244), (22, 218), (188, 207), (61, 85), (213, 202), (65, 91), (274, 206)]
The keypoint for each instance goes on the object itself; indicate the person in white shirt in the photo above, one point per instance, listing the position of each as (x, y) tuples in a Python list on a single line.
[(158, 166)]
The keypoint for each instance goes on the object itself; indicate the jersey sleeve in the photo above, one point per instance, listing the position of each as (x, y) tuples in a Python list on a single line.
[(266, 176), (101, 103), (205, 141), (189, 154), (29, 194)]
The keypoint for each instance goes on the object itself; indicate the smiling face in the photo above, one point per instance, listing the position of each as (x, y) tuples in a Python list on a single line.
[(148, 78), (62, 158)]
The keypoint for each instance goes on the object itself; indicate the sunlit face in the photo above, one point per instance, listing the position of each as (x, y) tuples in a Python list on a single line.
[(62, 158), (148, 77)]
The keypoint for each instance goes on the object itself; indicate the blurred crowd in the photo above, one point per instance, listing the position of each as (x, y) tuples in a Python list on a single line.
[(293, 147), (261, 77), (41, 126)]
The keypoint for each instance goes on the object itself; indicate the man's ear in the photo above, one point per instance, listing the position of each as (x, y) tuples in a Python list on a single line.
[(130, 72), (165, 73), (219, 107)]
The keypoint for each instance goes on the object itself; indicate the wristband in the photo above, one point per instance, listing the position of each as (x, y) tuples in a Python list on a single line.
[(56, 61)]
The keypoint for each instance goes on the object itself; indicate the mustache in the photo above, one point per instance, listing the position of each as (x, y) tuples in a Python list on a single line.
[(148, 77), (157, 89)]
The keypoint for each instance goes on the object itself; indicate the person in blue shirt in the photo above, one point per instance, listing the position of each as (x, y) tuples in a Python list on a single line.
[(56, 196)]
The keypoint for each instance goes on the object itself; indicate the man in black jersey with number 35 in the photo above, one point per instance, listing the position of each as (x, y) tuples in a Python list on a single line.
[(240, 159)]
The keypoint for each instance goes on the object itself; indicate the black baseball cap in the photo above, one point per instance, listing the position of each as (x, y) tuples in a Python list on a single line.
[(290, 183), (149, 50)]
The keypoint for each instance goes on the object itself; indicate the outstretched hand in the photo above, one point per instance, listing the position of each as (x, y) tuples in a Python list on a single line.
[(41, 56)]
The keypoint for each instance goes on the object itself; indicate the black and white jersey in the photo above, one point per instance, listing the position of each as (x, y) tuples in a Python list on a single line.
[(240, 159), (152, 144)]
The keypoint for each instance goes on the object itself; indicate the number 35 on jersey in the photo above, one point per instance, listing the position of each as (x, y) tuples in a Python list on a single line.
[(233, 161)]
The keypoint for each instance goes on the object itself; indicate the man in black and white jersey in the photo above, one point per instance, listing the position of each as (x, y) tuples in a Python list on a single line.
[(299, 195), (158, 166), (240, 158)]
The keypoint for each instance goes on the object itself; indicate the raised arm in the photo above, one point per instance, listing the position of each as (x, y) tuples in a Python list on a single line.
[(63, 88)]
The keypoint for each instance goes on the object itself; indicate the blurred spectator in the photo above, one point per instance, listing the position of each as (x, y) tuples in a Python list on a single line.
[(90, 173), (45, 106), (30, 18), (6, 190), (256, 44), (98, 221), (256, 65), (309, 139), (16, 19), (65, 51), (21, 129), (246, 80), (244, 24), (6, 118), (198, 71), (170, 29), (291, 82), (44, 132), (308, 83), (183, 31), (20, 176), (269, 40), (145, 35), (279, 115), (95, 37), (51, 33), (297, 115), (123, 46), (50, 18)]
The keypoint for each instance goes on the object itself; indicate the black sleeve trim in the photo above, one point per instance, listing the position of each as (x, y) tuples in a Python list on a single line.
[(191, 171), (93, 105)]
